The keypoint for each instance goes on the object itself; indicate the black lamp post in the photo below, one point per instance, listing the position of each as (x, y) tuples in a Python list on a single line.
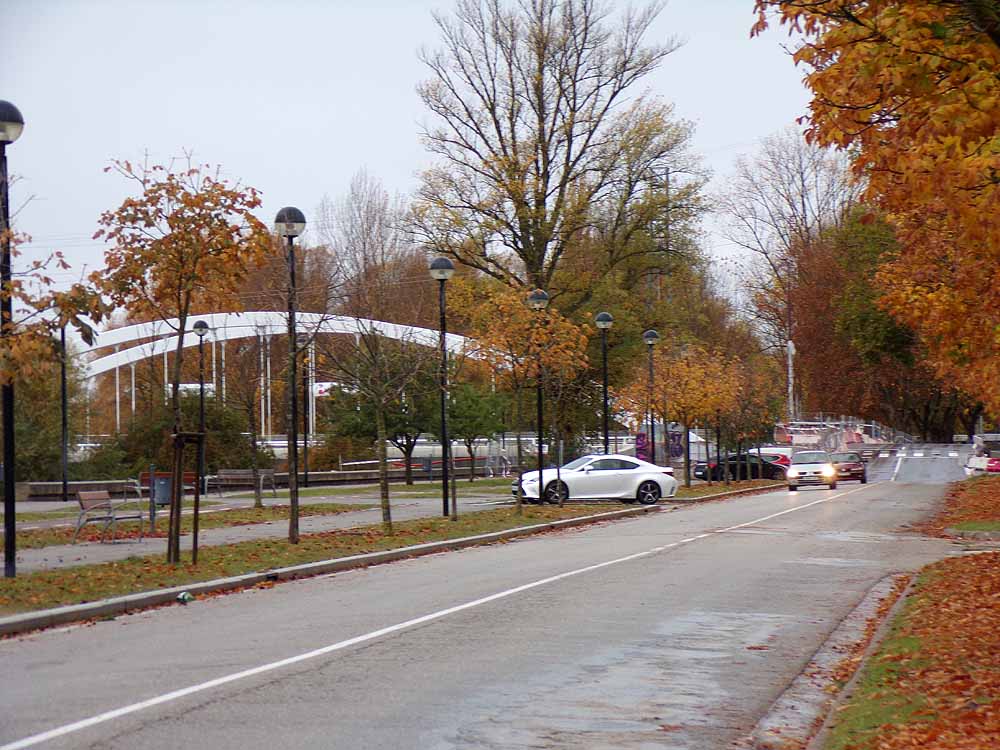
[(442, 269), (200, 329), (290, 223), (604, 321), (11, 125), (64, 408), (538, 300), (651, 338)]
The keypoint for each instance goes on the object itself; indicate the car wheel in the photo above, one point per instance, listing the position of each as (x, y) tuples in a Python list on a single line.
[(649, 493), (792, 488), (556, 493)]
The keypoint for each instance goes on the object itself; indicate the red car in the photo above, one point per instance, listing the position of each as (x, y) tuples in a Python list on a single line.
[(850, 466)]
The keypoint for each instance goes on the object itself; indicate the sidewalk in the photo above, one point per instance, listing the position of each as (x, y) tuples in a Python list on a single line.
[(89, 553)]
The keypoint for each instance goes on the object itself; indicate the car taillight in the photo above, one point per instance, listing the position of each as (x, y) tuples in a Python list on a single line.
[(712, 464)]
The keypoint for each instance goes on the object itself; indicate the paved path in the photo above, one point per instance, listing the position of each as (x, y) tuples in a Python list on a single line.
[(403, 509)]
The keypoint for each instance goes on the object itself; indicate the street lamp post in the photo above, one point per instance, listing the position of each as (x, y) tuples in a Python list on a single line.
[(604, 321), (442, 269), (200, 329), (538, 300), (11, 125), (791, 380), (64, 408), (290, 223), (651, 338)]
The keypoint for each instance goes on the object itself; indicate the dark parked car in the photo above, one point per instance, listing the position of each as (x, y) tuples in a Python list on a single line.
[(742, 466), (850, 466)]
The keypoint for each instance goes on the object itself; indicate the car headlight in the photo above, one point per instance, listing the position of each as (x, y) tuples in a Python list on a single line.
[(792, 473), (829, 471)]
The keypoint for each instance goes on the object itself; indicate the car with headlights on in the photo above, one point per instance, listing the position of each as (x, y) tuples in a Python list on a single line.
[(810, 468), (850, 466), (599, 476)]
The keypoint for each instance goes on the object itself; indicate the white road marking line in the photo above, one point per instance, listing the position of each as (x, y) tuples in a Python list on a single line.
[(953, 454), (340, 645), (918, 453), (883, 455)]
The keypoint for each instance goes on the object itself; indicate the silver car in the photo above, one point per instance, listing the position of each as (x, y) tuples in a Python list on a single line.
[(811, 468)]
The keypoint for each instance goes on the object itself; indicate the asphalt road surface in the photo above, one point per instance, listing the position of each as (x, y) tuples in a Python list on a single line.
[(675, 630)]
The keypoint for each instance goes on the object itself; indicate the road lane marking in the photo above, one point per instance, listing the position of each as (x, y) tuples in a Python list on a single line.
[(340, 645)]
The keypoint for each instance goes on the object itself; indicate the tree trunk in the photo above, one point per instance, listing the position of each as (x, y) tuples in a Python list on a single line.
[(383, 468), (687, 455), (454, 487), (408, 447), (177, 496)]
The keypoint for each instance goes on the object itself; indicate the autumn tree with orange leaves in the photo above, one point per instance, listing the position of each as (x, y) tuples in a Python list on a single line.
[(521, 345), (187, 238), (692, 386), (911, 89)]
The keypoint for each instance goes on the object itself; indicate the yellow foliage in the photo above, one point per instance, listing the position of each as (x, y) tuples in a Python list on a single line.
[(691, 385)]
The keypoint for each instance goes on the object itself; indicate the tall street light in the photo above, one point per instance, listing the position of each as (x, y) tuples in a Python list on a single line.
[(442, 269), (651, 338), (11, 125), (538, 300), (290, 223), (200, 329), (64, 408), (604, 321), (791, 380)]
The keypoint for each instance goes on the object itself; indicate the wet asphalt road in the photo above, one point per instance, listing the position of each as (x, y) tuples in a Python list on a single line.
[(675, 630)]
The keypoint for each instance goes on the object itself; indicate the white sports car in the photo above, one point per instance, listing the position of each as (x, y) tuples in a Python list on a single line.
[(600, 476)]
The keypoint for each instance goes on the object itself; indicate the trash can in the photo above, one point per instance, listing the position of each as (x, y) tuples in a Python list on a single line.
[(163, 488)]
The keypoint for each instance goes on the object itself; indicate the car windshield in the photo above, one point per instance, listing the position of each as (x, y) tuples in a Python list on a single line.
[(810, 457), (576, 463), (843, 458)]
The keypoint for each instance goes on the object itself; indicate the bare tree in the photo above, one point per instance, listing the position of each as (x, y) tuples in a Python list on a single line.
[(384, 280), (535, 137), (776, 205)]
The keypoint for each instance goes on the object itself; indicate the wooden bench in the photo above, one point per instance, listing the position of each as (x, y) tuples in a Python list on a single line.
[(97, 505), (241, 478)]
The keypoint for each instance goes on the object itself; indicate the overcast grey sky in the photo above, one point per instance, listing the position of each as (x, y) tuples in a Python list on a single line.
[(294, 97)]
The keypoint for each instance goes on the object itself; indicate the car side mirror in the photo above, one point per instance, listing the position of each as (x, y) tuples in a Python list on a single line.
[(587, 469)]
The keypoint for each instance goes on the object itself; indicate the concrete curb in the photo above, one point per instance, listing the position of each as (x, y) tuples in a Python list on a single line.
[(121, 604), (819, 739), (106, 608), (799, 716)]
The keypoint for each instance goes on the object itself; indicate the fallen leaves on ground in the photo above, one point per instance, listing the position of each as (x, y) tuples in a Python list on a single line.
[(935, 681)]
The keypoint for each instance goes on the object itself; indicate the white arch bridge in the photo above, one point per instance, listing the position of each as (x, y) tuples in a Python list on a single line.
[(142, 341)]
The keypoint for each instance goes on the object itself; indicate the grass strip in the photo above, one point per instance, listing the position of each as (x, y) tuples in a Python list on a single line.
[(935, 680), (38, 538), (52, 588)]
